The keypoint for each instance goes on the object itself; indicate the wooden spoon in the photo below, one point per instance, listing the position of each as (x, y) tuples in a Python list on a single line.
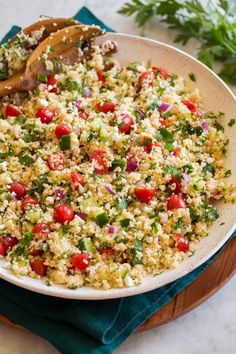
[(62, 45), (50, 25)]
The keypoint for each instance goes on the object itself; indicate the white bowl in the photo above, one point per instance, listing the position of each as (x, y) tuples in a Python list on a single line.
[(216, 97)]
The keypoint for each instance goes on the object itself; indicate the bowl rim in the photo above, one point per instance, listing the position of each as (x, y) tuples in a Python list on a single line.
[(55, 290)]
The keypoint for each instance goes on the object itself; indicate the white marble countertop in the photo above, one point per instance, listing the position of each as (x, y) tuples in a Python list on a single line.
[(211, 328)]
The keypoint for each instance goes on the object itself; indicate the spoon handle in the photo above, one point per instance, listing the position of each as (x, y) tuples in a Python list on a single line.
[(13, 84)]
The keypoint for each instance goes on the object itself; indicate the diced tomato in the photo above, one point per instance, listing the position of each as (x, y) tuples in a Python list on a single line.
[(52, 84), (80, 261), (28, 201), (56, 161), (9, 242), (36, 252), (39, 267), (160, 72), (83, 115), (107, 251), (126, 123), (99, 157), (62, 129), (175, 202), (147, 77), (105, 107), (45, 114), (18, 189), (182, 242), (64, 213), (41, 229), (198, 113), (190, 105), (148, 147), (2, 249), (77, 179), (144, 195), (164, 122), (101, 76), (177, 151), (12, 111), (175, 181), (6, 244)]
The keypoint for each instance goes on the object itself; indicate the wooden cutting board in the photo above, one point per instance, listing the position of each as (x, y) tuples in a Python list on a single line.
[(206, 285)]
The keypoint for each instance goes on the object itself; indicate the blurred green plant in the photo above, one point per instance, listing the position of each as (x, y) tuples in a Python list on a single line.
[(213, 24)]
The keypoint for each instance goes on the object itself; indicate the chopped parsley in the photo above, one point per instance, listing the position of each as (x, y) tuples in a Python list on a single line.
[(231, 122), (192, 77)]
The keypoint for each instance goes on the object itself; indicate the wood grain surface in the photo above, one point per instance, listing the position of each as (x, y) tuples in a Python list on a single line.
[(206, 285)]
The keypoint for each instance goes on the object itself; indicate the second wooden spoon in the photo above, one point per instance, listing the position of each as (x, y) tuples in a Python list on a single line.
[(61, 44)]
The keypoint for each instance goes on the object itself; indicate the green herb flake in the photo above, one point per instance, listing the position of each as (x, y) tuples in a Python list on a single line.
[(28, 138), (187, 168), (192, 77), (219, 127), (26, 160), (169, 147), (125, 222), (69, 85), (28, 236), (173, 171), (118, 163), (211, 214), (136, 252), (178, 224), (38, 185), (228, 173), (194, 215), (166, 134), (20, 120), (4, 155), (42, 78), (65, 228), (231, 122), (154, 227), (209, 168)]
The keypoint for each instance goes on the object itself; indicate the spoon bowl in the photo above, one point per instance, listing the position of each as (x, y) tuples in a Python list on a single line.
[(62, 44)]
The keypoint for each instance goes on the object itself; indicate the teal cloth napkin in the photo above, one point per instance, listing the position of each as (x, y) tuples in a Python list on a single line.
[(86, 327)]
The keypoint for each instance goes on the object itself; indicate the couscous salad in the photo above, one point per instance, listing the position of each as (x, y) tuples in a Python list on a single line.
[(107, 173)]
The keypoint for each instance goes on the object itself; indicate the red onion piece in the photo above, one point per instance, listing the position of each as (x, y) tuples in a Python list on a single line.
[(132, 166), (205, 126), (111, 229), (87, 92), (186, 179), (82, 215), (16, 100), (78, 104), (140, 112), (60, 194), (164, 106), (109, 189)]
